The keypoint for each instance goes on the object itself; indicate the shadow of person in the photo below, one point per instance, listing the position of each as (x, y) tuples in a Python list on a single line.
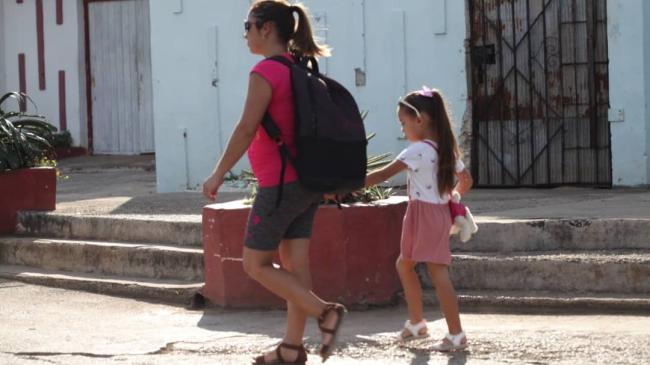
[(457, 358), (376, 327), (422, 354)]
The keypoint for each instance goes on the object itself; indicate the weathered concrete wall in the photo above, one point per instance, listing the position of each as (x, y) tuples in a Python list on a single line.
[(628, 80), (646, 63)]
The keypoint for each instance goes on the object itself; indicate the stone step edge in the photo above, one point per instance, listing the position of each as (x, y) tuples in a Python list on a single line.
[(622, 255), (159, 291), (538, 301), (196, 218), (173, 230), (27, 239), (162, 218)]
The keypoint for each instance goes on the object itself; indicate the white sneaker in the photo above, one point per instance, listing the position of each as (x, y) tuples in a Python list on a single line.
[(451, 343)]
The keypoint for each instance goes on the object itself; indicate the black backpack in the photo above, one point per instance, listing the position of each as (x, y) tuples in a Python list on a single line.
[(330, 136)]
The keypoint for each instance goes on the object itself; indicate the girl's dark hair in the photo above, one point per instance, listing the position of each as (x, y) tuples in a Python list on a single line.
[(300, 39), (448, 151)]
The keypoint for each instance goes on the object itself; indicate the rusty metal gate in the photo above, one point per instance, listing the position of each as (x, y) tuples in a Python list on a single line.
[(539, 84)]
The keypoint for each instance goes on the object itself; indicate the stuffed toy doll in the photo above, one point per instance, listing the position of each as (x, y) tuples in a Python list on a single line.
[(462, 221)]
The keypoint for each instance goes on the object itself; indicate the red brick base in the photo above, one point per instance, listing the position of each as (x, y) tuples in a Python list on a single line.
[(353, 253)]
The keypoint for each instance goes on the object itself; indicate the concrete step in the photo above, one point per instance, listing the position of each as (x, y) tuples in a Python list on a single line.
[(174, 230), (613, 271), (109, 258), (505, 235), (167, 291), (494, 235), (541, 301)]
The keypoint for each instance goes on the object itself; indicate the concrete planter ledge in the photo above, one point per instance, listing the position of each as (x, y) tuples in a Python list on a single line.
[(25, 189), (353, 253)]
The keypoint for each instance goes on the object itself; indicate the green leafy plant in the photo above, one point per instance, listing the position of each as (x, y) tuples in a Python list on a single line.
[(25, 139), (62, 139)]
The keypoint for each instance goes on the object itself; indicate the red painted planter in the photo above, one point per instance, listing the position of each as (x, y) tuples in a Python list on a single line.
[(25, 189), (353, 253)]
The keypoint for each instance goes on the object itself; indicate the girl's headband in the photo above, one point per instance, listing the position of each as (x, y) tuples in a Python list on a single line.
[(425, 91), (410, 106)]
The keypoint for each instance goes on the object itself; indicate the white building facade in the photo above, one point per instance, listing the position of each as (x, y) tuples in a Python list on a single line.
[(170, 76), (381, 50), (40, 54)]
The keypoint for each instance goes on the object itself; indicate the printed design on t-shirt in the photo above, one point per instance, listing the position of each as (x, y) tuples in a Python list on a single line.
[(256, 219)]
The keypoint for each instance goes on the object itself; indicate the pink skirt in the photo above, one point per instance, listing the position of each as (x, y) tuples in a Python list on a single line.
[(425, 233)]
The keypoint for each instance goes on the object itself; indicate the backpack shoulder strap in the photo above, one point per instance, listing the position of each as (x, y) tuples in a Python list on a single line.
[(430, 144), (304, 62), (281, 59)]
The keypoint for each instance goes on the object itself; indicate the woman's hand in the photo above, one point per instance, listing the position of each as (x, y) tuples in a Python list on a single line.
[(211, 185)]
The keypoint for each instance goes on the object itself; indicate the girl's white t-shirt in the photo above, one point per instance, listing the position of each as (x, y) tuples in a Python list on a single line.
[(422, 174)]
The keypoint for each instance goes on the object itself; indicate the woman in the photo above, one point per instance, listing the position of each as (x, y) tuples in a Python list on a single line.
[(271, 30)]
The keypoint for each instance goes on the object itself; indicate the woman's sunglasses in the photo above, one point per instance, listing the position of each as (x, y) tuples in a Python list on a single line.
[(248, 24)]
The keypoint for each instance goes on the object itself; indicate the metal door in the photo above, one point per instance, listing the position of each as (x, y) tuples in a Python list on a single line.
[(540, 93)]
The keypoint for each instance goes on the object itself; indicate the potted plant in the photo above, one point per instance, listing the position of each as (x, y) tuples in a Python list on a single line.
[(352, 255), (27, 168)]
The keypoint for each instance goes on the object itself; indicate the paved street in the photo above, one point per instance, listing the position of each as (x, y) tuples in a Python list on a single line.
[(52, 326)]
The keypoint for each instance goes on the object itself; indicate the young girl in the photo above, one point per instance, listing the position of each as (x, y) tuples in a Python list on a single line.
[(432, 161), (276, 28)]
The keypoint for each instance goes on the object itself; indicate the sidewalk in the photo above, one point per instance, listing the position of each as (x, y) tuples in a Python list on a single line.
[(132, 191), (52, 326)]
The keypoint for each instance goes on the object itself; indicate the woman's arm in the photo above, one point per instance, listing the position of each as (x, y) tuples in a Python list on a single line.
[(465, 182), (385, 173), (257, 100)]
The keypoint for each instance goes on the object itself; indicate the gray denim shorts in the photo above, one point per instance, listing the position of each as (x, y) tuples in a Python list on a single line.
[(267, 225)]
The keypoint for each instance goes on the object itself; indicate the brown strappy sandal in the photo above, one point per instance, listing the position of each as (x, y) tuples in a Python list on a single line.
[(327, 349), (300, 360)]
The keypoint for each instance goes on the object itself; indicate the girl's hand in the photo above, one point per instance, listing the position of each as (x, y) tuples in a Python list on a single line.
[(465, 182), (330, 197), (211, 186)]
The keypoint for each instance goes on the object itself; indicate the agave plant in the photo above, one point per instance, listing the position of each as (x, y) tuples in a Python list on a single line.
[(25, 139)]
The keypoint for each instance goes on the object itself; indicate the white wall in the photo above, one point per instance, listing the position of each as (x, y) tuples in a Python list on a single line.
[(3, 70), (187, 36), (628, 91), (399, 53), (61, 53), (646, 47)]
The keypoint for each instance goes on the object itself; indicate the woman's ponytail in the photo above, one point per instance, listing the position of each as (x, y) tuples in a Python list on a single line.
[(303, 42)]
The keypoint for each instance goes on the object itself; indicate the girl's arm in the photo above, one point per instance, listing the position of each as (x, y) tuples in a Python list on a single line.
[(465, 182), (257, 100), (385, 173)]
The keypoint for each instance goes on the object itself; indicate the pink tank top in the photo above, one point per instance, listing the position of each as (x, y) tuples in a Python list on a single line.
[(263, 152)]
